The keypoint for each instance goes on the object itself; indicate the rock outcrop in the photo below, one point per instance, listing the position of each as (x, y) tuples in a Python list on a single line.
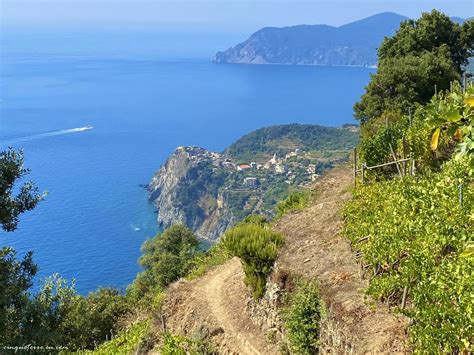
[(208, 192), (186, 190)]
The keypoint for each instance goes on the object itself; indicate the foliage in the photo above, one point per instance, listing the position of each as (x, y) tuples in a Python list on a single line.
[(302, 318), (11, 205), (433, 30), (453, 112), (44, 316), (179, 345), (379, 148), (16, 278), (294, 201), (216, 255), (282, 139), (90, 320), (423, 53), (126, 342), (166, 258), (56, 315), (257, 219), (257, 248), (442, 127), (402, 82), (413, 233)]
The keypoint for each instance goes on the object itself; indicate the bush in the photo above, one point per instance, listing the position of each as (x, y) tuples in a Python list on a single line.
[(92, 319), (166, 258), (294, 201), (179, 345), (302, 319), (257, 219), (376, 149), (126, 342), (413, 232), (216, 255), (257, 248)]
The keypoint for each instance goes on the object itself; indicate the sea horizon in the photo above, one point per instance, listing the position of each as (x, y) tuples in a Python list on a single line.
[(96, 216)]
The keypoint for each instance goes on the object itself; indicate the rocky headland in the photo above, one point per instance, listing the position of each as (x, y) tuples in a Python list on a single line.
[(210, 191)]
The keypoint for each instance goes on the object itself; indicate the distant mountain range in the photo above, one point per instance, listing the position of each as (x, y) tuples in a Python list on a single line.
[(354, 44)]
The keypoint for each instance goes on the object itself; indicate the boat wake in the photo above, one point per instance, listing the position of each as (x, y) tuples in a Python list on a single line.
[(44, 135)]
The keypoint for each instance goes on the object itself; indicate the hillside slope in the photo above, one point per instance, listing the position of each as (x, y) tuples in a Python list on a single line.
[(353, 44), (315, 250), (217, 306), (210, 191)]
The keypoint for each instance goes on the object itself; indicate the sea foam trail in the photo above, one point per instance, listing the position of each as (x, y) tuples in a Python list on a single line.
[(44, 135)]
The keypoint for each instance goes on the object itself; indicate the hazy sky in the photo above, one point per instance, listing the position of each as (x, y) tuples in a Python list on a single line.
[(205, 16)]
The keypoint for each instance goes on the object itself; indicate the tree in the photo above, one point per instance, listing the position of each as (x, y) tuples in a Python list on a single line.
[(16, 278), (430, 32), (166, 258), (27, 196), (91, 319), (403, 82), (423, 53)]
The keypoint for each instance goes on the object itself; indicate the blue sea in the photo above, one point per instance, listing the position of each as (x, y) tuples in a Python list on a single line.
[(143, 95)]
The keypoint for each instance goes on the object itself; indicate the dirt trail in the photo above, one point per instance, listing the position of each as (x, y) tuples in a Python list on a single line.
[(214, 306), (316, 250)]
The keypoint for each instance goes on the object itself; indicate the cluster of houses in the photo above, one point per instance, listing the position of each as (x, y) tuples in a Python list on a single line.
[(275, 164), (278, 166)]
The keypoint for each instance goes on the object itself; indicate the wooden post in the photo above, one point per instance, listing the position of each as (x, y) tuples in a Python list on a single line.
[(355, 167), (395, 160), (163, 322), (460, 196), (363, 173), (404, 156), (409, 116), (464, 83), (404, 297), (436, 89)]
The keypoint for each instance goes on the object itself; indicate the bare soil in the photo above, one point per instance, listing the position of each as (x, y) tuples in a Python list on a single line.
[(315, 249), (215, 305)]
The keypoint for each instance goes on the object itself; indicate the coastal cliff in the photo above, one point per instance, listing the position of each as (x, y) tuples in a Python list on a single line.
[(186, 190), (209, 191), (353, 44)]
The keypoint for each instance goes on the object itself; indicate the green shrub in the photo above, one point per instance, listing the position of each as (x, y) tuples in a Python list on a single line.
[(126, 342), (166, 258), (90, 320), (294, 201), (258, 219), (376, 150), (257, 248), (216, 255), (302, 319), (412, 232), (179, 345)]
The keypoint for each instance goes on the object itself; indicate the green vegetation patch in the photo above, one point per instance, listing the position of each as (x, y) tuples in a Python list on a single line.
[(302, 318), (295, 201), (412, 233), (282, 139), (127, 342), (179, 345), (257, 248), (216, 255)]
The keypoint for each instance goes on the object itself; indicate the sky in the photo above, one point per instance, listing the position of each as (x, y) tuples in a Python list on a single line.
[(224, 16)]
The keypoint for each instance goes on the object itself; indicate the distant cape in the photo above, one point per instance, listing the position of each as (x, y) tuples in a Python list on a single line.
[(353, 44)]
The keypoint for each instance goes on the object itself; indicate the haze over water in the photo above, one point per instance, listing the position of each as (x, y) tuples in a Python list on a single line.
[(96, 121)]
